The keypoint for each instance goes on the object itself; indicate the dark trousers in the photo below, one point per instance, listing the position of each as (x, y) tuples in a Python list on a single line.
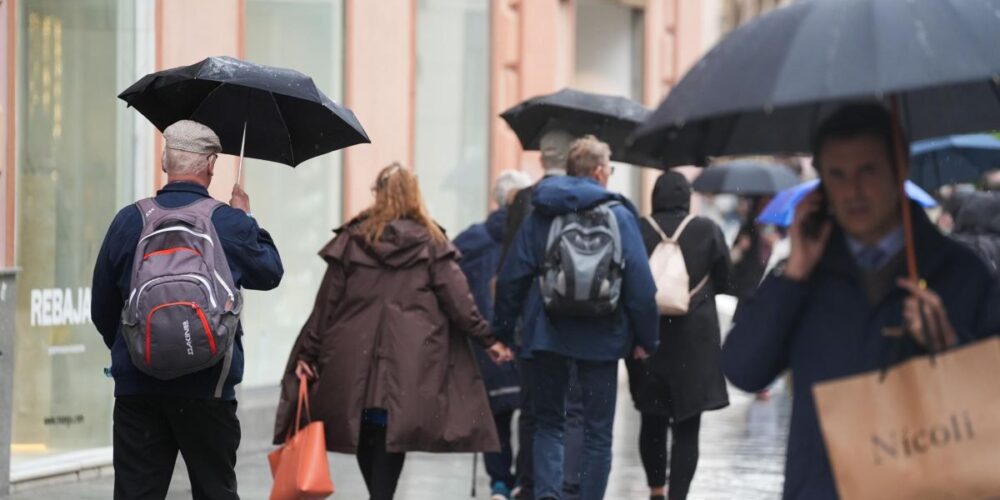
[(550, 384), (573, 436), (499, 465), (683, 458), (148, 433), (380, 468)]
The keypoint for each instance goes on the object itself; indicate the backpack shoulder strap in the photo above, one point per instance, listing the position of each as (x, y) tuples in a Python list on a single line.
[(680, 229), (146, 206), (204, 207), (656, 227)]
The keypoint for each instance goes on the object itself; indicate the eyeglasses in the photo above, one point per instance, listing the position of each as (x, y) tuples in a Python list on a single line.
[(611, 169)]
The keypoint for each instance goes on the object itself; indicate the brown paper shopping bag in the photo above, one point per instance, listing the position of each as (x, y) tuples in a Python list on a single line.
[(300, 467), (929, 430)]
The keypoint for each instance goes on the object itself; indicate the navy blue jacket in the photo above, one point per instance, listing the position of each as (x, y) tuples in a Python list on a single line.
[(481, 246), (635, 322), (827, 328), (253, 260)]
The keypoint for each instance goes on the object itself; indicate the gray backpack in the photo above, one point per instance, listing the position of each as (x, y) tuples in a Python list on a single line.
[(182, 313), (583, 267)]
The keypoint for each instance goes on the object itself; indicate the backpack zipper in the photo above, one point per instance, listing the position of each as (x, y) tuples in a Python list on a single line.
[(203, 281), (178, 228)]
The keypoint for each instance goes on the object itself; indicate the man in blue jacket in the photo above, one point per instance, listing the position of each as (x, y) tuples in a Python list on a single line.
[(592, 344), (154, 419), (839, 305)]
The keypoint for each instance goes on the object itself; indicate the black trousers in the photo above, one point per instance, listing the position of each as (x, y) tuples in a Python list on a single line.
[(683, 458), (380, 468), (148, 433), (498, 465)]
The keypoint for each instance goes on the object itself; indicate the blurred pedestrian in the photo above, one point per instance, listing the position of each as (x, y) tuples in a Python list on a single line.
[(554, 145), (684, 378), (583, 309), (978, 227), (386, 342), (831, 311), (481, 246), (194, 413)]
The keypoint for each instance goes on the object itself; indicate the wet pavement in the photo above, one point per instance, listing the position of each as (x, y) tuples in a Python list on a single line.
[(742, 456)]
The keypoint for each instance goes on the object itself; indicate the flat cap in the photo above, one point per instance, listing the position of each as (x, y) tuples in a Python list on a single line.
[(193, 137)]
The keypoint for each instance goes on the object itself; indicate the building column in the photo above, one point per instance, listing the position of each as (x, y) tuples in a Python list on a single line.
[(188, 31), (533, 53), (673, 43), (380, 87), (7, 272)]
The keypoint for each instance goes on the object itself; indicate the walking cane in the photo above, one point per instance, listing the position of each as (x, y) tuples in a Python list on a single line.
[(475, 465)]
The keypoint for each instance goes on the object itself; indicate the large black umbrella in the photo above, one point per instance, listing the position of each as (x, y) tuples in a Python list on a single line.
[(745, 178), (765, 87), (610, 118), (286, 119)]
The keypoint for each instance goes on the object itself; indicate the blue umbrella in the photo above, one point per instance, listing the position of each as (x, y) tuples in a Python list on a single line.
[(781, 210), (953, 159)]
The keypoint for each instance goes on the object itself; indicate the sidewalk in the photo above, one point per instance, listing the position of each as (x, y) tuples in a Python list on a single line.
[(742, 455)]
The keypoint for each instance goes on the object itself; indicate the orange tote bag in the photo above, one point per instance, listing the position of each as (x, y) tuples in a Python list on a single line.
[(300, 468)]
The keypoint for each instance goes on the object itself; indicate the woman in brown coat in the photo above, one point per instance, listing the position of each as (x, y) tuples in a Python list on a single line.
[(387, 342)]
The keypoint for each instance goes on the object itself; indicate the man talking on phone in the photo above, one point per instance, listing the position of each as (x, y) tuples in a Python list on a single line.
[(841, 304)]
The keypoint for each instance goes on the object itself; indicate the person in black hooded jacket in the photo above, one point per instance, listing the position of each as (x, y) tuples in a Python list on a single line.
[(978, 227), (684, 378)]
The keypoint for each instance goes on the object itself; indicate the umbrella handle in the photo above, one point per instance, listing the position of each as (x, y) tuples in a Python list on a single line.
[(903, 173), (243, 143)]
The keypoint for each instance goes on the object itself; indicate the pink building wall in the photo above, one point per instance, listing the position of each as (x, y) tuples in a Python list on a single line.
[(380, 87), (182, 38)]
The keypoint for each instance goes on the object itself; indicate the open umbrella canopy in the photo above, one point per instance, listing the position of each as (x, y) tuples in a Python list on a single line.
[(286, 118), (608, 117), (953, 159), (781, 210), (766, 86), (745, 178)]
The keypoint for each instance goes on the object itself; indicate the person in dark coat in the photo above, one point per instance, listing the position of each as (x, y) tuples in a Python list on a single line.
[(387, 342), (978, 227), (824, 314), (684, 378), (481, 245), (592, 345), (194, 414)]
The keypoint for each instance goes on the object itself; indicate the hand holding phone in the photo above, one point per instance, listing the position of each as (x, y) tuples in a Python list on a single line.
[(809, 235)]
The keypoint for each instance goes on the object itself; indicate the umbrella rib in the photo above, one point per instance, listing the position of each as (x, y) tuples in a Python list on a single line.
[(284, 124)]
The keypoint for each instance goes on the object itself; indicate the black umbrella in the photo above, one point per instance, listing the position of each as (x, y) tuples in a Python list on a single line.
[(284, 117), (745, 178), (610, 118), (953, 159), (765, 87)]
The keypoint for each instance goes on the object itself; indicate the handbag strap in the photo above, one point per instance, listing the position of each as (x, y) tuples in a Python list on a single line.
[(303, 400)]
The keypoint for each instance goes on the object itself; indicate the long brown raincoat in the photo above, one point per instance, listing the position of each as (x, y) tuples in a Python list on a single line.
[(390, 330)]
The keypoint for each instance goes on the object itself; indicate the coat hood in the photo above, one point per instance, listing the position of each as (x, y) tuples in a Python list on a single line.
[(980, 214), (564, 194), (672, 193), (404, 243)]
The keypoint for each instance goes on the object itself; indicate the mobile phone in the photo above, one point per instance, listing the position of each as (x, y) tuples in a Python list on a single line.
[(813, 225)]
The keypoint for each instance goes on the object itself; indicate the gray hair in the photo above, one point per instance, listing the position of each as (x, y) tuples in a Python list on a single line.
[(176, 161), (507, 182)]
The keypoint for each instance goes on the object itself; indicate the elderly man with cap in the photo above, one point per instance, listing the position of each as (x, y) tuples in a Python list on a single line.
[(554, 147), (154, 418)]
